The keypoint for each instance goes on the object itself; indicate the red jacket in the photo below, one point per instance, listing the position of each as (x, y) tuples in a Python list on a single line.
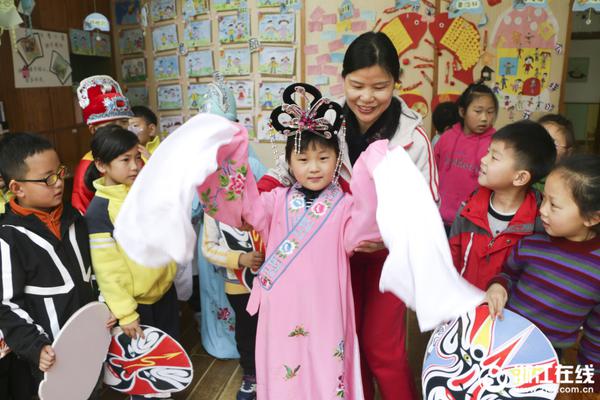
[(476, 254), (81, 196)]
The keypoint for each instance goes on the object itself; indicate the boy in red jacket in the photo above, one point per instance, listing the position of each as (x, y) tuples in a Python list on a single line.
[(505, 207)]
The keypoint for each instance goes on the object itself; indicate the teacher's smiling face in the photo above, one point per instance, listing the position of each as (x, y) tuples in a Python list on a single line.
[(368, 94)]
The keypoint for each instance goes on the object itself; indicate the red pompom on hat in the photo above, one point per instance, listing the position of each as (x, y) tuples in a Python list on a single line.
[(101, 99)]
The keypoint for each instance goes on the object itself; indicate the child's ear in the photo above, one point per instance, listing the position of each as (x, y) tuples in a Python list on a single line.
[(152, 129), (16, 188), (100, 166), (522, 178), (461, 112), (593, 220)]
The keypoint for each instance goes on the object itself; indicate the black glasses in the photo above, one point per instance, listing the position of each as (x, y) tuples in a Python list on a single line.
[(51, 179)]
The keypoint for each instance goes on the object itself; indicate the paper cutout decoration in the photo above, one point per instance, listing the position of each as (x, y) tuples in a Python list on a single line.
[(460, 7), (276, 27), (405, 31), (521, 4), (476, 357), (270, 94), (165, 37), (137, 95), (127, 11), (80, 347), (346, 10), (415, 4), (277, 61), (530, 27), (443, 97), (416, 102), (168, 124), (192, 8), (243, 91), (235, 62), (96, 21), (131, 41), (584, 5), (234, 28), (230, 5), (197, 33), (162, 9), (133, 69), (9, 18), (459, 36), (81, 42), (199, 63), (156, 364), (169, 97), (196, 95), (247, 120), (166, 67)]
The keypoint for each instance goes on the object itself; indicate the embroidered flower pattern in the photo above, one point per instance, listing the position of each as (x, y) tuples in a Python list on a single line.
[(209, 203), (298, 331), (319, 208), (224, 315), (233, 180), (264, 281), (287, 247), (296, 203), (291, 373), (339, 350), (341, 390)]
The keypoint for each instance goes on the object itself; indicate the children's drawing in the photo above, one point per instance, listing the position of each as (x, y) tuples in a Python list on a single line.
[(60, 66), (30, 48), (230, 5), (166, 68), (234, 28), (194, 7), (270, 94), (162, 9), (265, 131), (131, 41), (133, 69), (101, 44), (247, 120), (276, 27), (269, 3), (169, 97), (81, 42), (137, 95), (165, 37), (199, 63), (243, 92), (168, 124), (197, 33), (196, 95), (276, 61), (126, 11), (235, 62)]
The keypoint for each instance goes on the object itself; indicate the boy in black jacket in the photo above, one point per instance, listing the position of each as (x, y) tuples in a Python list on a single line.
[(45, 266)]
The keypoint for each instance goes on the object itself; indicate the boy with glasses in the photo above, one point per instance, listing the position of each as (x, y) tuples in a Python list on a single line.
[(45, 268)]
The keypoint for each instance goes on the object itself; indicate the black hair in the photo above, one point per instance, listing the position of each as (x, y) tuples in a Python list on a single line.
[(472, 92), (306, 140), (15, 148), (108, 143), (564, 125), (445, 115), (533, 146), (582, 175), (369, 49), (145, 113)]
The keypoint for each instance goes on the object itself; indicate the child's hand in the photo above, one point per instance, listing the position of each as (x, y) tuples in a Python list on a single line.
[(47, 358), (253, 259), (369, 246), (246, 227), (112, 320), (496, 297), (133, 330), (144, 152)]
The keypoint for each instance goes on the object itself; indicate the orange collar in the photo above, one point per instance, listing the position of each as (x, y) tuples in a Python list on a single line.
[(51, 219)]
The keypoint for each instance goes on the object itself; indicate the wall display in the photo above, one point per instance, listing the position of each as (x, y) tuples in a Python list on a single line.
[(264, 131), (276, 61), (229, 5), (101, 44), (168, 123), (196, 95), (127, 11), (197, 33), (192, 8), (247, 120), (243, 92), (578, 69), (40, 58), (234, 28), (199, 63), (162, 9), (131, 41), (81, 42), (270, 94), (166, 67), (138, 96), (165, 37), (270, 3), (133, 70), (169, 97), (235, 61), (276, 27)]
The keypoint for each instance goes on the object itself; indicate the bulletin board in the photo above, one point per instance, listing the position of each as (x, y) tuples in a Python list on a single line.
[(255, 44)]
